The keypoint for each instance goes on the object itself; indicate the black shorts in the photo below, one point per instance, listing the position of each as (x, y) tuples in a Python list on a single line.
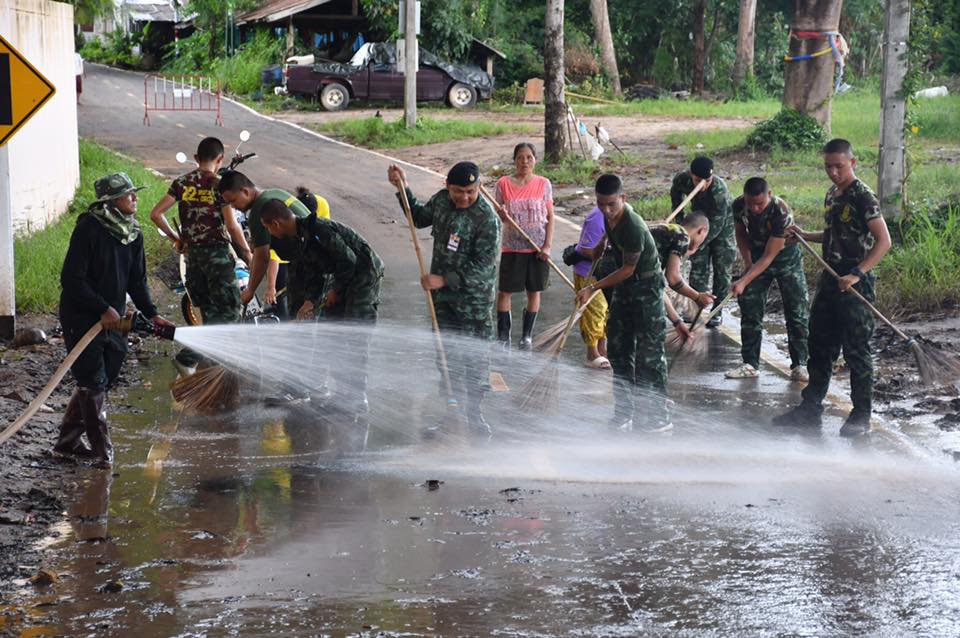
[(521, 272)]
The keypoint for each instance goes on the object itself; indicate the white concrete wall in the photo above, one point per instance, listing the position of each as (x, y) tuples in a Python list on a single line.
[(44, 153)]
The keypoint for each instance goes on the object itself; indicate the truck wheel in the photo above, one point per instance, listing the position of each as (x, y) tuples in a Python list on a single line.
[(334, 97), (191, 314), (462, 96)]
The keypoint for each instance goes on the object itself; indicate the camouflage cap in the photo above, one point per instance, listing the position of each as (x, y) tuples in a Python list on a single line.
[(113, 186)]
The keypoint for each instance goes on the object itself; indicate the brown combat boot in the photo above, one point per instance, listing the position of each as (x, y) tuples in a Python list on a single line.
[(97, 428), (71, 429)]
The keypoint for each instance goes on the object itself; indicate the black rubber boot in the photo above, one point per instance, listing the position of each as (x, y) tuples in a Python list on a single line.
[(857, 424), (504, 323), (804, 415), (529, 319), (71, 429), (96, 426)]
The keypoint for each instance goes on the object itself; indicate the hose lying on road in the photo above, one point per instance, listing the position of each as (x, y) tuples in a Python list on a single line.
[(52, 383)]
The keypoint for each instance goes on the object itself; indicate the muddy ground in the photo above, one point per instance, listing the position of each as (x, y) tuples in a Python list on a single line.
[(32, 480)]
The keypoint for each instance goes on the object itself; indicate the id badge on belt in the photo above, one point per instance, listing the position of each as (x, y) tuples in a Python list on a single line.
[(453, 244)]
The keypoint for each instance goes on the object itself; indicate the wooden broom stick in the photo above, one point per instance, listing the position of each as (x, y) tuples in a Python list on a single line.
[(686, 200), (429, 294), (506, 215)]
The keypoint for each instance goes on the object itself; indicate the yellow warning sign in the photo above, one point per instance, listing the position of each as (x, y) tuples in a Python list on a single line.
[(23, 90)]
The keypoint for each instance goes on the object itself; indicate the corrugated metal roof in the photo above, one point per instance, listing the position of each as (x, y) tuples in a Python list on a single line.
[(277, 10)]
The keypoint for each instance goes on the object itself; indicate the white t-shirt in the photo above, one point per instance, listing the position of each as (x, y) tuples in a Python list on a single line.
[(77, 64)]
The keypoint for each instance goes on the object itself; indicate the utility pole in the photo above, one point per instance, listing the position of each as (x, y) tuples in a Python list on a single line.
[(411, 61), (8, 305), (895, 33)]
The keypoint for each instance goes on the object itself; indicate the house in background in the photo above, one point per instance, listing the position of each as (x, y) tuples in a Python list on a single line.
[(157, 19)]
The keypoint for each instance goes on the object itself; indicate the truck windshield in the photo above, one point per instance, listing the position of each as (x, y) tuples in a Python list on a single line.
[(360, 57)]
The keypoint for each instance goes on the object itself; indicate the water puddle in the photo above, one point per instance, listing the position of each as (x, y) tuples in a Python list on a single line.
[(298, 520)]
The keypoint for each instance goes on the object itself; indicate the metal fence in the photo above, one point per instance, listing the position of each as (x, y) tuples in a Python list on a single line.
[(180, 93)]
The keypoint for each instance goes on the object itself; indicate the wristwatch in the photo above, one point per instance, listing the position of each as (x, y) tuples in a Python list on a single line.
[(859, 274), (676, 322)]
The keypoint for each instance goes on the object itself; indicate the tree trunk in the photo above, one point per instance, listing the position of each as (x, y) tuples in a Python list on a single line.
[(895, 35), (809, 83), (743, 65), (608, 57), (554, 108), (699, 45)]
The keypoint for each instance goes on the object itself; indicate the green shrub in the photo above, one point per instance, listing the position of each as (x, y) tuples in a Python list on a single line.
[(788, 129), (116, 51), (239, 73), (923, 272)]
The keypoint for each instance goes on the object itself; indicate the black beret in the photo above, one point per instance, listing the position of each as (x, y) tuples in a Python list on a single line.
[(463, 174), (702, 167)]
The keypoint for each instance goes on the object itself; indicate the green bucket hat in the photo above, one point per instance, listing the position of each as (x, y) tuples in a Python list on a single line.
[(114, 186)]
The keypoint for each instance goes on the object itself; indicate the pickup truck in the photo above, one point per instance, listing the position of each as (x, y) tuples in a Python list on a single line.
[(372, 74)]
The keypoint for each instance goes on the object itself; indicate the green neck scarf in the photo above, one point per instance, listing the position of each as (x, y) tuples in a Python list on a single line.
[(123, 228)]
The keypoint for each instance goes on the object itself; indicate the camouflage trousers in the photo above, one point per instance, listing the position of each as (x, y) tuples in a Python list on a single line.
[(635, 335), (840, 321), (467, 348), (793, 290), (360, 301), (719, 251), (212, 285)]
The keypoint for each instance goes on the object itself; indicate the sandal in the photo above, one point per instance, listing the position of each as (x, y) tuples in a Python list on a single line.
[(600, 363)]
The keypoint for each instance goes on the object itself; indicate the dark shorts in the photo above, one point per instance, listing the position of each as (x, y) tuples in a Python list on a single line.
[(521, 272)]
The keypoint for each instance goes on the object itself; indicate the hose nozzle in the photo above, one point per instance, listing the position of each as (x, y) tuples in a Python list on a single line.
[(141, 325)]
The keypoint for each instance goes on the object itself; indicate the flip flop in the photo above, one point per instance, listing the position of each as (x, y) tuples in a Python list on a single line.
[(600, 363)]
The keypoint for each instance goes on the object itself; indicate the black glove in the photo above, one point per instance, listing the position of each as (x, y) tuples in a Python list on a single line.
[(572, 257)]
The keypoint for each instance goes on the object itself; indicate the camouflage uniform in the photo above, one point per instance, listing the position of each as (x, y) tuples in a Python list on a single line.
[(211, 278), (671, 239), (720, 246), (839, 320), (635, 329), (466, 245), (327, 247), (786, 269)]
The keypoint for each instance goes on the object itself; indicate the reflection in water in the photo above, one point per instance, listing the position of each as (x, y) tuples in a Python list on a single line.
[(301, 521)]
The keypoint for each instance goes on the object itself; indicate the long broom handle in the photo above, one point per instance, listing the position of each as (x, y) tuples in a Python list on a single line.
[(524, 234), (854, 291), (573, 319), (52, 383), (686, 200), (429, 294)]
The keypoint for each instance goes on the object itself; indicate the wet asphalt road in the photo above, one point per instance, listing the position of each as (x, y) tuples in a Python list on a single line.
[(286, 522)]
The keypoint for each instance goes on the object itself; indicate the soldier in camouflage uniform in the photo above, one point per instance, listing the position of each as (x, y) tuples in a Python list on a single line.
[(207, 225), (854, 241), (719, 249), (635, 328), (675, 242), (761, 224), (463, 270), (323, 247)]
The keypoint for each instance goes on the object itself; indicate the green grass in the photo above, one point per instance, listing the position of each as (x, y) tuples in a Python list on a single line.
[(374, 132), (666, 107), (923, 273), (39, 257)]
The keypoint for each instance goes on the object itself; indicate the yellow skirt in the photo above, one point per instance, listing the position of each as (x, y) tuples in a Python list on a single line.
[(593, 322)]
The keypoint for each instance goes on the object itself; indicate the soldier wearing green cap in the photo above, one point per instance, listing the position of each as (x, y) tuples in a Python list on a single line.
[(104, 263), (463, 272), (719, 249)]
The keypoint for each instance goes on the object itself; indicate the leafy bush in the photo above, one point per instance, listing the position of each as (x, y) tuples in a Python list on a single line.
[(374, 132), (116, 51), (788, 129), (239, 73), (923, 273)]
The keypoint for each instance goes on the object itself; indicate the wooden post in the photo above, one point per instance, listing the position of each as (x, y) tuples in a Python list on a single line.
[(893, 105)]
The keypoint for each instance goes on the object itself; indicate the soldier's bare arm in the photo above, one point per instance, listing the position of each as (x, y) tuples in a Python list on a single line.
[(236, 234), (158, 218)]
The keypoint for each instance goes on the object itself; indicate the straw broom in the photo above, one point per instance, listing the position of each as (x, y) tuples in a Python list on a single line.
[(210, 389), (686, 200), (936, 368), (540, 393)]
